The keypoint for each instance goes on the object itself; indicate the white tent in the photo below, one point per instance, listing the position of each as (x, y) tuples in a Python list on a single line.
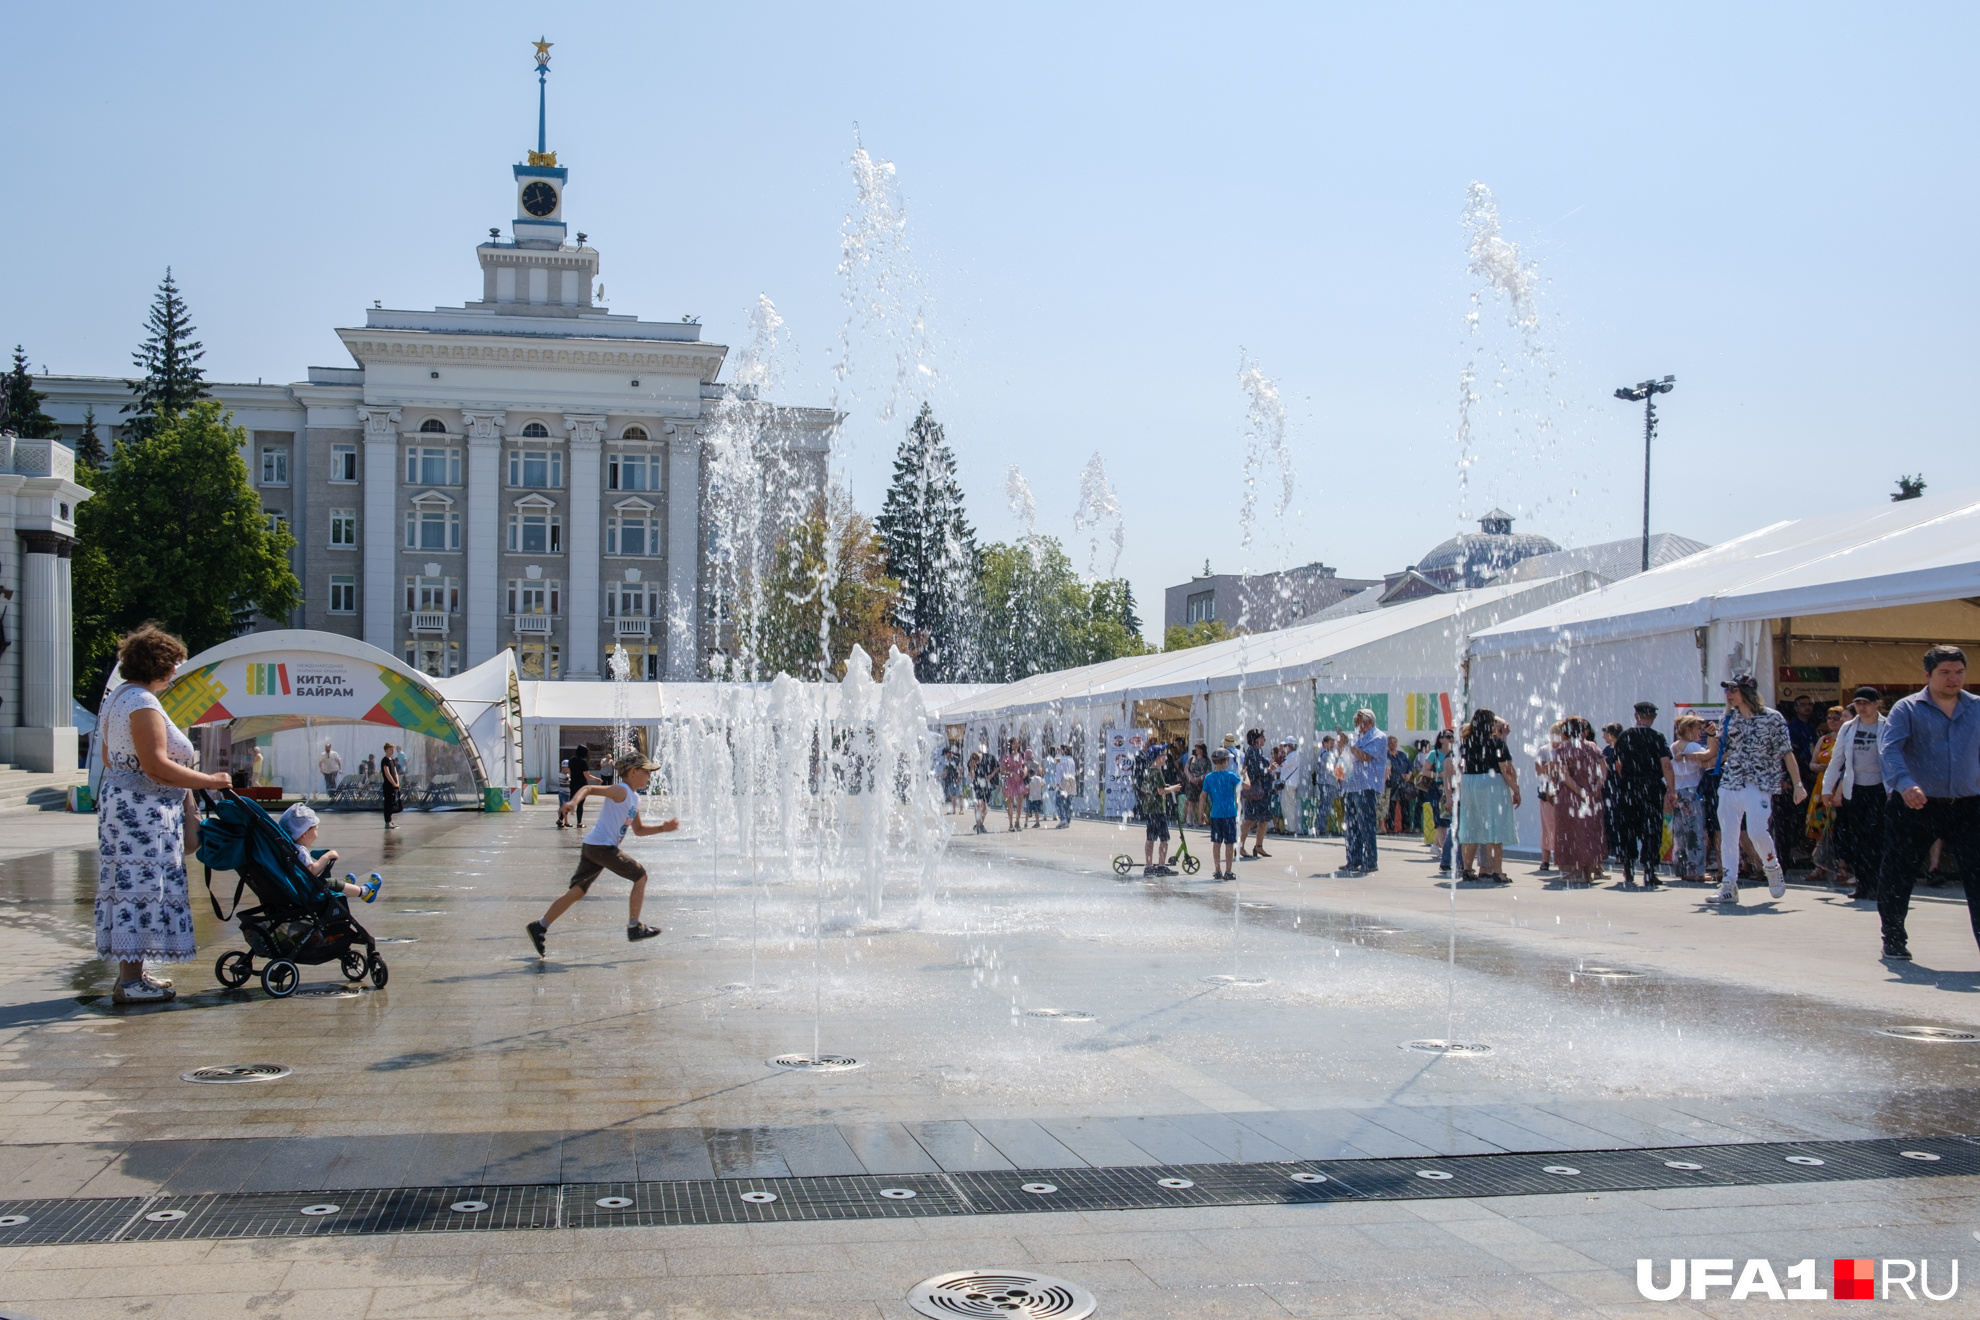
[(488, 697), (1818, 605), (1401, 662)]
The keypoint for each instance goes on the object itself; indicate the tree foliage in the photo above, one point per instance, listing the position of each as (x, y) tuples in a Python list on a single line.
[(182, 536), (827, 589), (169, 357), (1180, 637), (1039, 616), (20, 403), (89, 445), (931, 552)]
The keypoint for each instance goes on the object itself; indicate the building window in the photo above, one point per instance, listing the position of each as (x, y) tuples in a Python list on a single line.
[(631, 600), (433, 426), (434, 657), (632, 532), (433, 467), (343, 595), (536, 468), (1200, 608), (536, 596), (274, 465), (535, 533), (343, 528), (537, 659), (634, 433), (343, 463), (432, 525), (536, 431), (430, 595), (275, 520), (632, 472)]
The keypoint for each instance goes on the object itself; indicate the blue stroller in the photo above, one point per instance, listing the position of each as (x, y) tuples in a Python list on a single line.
[(296, 921)]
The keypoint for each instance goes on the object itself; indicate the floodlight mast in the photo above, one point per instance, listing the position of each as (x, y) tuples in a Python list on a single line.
[(1646, 393)]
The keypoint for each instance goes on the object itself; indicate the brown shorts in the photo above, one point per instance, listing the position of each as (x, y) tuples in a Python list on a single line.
[(597, 857)]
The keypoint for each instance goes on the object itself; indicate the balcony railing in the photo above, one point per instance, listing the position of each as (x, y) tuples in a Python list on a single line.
[(424, 621), (533, 623), (632, 628)]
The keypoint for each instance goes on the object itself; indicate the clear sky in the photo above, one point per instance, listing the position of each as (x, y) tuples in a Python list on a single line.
[(1105, 207)]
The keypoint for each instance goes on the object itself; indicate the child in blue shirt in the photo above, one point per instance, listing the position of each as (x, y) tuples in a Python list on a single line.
[(1220, 787)]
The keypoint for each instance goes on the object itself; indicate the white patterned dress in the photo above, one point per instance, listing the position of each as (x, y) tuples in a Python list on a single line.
[(142, 910)]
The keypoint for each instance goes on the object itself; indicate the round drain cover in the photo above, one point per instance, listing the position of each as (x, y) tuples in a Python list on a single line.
[(468, 1207), (1809, 1160), (613, 1203), (817, 1062), (1562, 1170), (237, 1072), (1450, 1049), (1937, 1035), (165, 1216), (1039, 1189), (1061, 1014), (1309, 1177), (759, 1198), (1174, 1182), (1681, 1164), (1000, 1293), (907, 1194), (12, 1221), (1924, 1155), (324, 1209), (1435, 1175)]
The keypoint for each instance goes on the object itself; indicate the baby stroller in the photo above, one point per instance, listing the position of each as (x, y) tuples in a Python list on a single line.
[(296, 920)]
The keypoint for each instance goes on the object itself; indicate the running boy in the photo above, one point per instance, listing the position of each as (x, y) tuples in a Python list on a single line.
[(601, 850), (300, 823), (1220, 789)]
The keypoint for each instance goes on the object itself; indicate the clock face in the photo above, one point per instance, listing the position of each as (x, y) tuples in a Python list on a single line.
[(539, 199)]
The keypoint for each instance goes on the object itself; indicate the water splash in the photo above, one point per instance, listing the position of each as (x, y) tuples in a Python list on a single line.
[(1023, 507), (886, 299), (1497, 261), (1099, 506)]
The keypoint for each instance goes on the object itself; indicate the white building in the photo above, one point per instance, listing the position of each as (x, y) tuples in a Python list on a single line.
[(522, 471), (38, 497)]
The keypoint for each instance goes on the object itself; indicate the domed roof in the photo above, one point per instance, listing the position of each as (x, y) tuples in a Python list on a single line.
[(1475, 558)]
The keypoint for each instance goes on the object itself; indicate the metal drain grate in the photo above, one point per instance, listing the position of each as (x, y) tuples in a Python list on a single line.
[(1450, 1049), (419, 912), (1937, 1035), (817, 1062), (999, 1293), (1612, 972), (1228, 979), (329, 991), (1061, 1014), (221, 1073)]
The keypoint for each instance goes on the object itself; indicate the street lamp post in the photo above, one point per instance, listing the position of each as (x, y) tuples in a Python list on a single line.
[(1646, 393)]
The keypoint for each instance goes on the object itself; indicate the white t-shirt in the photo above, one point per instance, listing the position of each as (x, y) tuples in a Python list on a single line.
[(1687, 773), (614, 818), (330, 763), (1068, 774)]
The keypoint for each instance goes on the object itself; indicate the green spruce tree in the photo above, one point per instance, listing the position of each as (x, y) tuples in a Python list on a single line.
[(20, 404), (931, 553), (169, 358), (89, 445)]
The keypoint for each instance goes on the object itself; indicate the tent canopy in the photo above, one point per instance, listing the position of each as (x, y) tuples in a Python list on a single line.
[(1905, 553)]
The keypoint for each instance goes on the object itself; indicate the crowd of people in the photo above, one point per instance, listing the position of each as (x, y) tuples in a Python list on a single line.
[(1030, 784)]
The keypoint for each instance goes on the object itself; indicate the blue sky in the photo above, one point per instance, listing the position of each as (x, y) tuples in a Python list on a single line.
[(1105, 207)]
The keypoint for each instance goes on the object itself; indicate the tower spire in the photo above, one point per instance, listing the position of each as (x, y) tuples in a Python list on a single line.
[(542, 155)]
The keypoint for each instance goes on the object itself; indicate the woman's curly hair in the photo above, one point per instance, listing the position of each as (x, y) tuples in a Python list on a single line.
[(149, 653)]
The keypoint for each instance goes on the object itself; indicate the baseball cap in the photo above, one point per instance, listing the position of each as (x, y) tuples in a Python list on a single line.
[(1867, 694), (1646, 708), (1745, 681), (634, 761), (298, 820)]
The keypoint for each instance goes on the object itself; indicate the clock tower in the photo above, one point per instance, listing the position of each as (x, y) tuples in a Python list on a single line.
[(540, 183)]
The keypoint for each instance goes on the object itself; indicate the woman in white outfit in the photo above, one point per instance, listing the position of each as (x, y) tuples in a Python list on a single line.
[(142, 823), (1758, 750)]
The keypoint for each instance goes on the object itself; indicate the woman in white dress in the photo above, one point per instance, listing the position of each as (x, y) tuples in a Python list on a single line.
[(142, 823)]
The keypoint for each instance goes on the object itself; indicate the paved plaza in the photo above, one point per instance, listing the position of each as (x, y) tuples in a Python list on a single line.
[(1197, 1025)]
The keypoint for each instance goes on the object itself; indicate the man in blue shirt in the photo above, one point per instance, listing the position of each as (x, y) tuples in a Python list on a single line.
[(1930, 748), (1369, 752), (1220, 789)]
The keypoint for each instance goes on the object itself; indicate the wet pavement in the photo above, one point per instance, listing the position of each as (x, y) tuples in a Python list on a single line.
[(482, 1063)]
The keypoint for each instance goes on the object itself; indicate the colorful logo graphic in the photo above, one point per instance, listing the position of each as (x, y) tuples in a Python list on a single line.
[(194, 698), (1856, 1280), (268, 680)]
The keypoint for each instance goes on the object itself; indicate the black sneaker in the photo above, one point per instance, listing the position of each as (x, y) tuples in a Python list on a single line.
[(640, 931), (1895, 951), (537, 930), (1652, 882)]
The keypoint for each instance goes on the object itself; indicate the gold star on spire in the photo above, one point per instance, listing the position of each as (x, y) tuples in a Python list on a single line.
[(542, 50)]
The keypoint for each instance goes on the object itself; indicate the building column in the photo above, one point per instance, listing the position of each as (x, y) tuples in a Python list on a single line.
[(587, 432), (484, 534), (683, 630), (381, 527), (46, 739)]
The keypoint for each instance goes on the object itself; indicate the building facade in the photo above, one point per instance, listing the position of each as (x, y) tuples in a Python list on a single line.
[(525, 470), (1256, 602)]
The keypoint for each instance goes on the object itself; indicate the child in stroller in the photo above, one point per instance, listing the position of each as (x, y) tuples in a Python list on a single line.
[(300, 824), (297, 920)]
